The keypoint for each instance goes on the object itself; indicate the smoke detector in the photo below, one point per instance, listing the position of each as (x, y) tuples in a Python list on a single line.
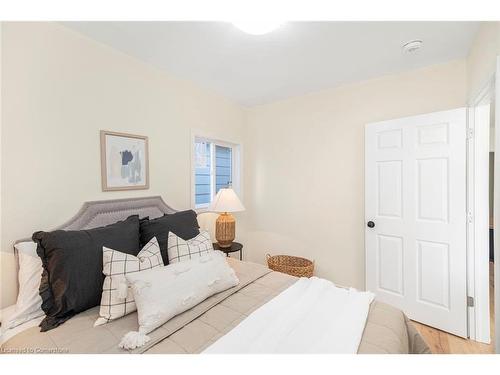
[(412, 46)]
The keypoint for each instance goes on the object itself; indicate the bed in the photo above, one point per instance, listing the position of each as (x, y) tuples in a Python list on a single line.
[(387, 329)]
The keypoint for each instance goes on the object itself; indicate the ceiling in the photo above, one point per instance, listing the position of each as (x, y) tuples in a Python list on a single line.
[(297, 58)]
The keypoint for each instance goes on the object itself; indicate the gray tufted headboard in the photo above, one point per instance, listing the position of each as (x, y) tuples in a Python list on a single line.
[(98, 213)]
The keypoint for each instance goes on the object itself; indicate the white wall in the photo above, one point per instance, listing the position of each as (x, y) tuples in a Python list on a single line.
[(481, 61), (62, 89), (1, 127), (304, 167)]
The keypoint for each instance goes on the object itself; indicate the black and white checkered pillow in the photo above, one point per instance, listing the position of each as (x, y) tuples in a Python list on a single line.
[(117, 299), (180, 250)]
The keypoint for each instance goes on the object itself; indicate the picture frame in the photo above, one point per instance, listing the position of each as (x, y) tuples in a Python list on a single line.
[(124, 161)]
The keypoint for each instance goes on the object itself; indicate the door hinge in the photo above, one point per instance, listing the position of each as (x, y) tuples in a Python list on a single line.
[(470, 133), (470, 217), (470, 301)]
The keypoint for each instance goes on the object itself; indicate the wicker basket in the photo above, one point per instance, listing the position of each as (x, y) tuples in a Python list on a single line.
[(295, 266)]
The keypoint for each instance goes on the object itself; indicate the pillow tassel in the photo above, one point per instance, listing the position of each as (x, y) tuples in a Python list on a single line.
[(133, 339), (122, 289)]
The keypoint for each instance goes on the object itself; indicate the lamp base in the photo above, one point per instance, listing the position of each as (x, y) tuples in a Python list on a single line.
[(225, 228)]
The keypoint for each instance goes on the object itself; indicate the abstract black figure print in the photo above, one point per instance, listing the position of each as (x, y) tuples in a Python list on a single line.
[(124, 161)]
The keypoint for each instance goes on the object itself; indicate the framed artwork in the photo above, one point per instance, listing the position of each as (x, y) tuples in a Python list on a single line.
[(124, 161)]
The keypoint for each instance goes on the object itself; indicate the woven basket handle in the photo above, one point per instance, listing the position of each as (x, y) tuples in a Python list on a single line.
[(268, 256)]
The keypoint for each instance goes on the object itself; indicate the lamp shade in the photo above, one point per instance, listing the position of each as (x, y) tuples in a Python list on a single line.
[(226, 200)]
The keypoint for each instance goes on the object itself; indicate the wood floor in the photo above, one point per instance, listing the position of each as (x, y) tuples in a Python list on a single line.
[(444, 343)]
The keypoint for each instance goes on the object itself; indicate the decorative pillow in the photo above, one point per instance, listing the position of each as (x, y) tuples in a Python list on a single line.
[(186, 284), (184, 224), (117, 300), (180, 250), (72, 267), (29, 302)]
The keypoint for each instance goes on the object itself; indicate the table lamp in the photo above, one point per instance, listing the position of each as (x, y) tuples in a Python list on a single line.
[(225, 202)]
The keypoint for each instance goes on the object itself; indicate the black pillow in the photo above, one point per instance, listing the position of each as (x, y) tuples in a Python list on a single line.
[(183, 224), (72, 275)]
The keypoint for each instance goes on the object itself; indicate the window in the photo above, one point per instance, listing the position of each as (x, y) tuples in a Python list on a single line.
[(214, 168)]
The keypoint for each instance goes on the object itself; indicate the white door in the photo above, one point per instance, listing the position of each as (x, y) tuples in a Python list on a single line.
[(415, 211)]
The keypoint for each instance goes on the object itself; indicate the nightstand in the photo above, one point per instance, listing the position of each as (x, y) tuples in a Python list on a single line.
[(235, 246)]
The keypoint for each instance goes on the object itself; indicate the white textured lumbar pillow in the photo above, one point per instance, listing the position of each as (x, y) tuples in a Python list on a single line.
[(162, 293), (117, 300)]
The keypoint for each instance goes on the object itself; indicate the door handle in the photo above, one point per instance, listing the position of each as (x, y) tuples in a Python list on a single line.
[(370, 224)]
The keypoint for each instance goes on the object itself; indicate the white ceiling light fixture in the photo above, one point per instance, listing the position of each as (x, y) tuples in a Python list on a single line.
[(412, 46), (257, 26)]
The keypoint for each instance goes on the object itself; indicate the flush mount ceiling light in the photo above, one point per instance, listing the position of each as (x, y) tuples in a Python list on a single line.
[(257, 26), (412, 46)]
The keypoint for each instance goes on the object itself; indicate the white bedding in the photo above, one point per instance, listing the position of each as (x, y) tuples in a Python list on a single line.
[(312, 316), (6, 334)]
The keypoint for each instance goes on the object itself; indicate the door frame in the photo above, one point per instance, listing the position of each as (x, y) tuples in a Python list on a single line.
[(478, 214), (496, 210)]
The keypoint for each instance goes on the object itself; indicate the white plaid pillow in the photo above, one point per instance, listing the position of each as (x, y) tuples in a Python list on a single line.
[(180, 250), (117, 299)]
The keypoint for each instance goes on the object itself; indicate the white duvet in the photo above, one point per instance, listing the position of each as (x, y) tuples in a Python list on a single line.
[(312, 316)]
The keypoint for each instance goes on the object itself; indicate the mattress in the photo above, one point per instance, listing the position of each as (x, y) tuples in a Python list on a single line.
[(387, 329)]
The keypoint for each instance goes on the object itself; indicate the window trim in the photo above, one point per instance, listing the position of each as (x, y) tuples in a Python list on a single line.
[(236, 167)]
